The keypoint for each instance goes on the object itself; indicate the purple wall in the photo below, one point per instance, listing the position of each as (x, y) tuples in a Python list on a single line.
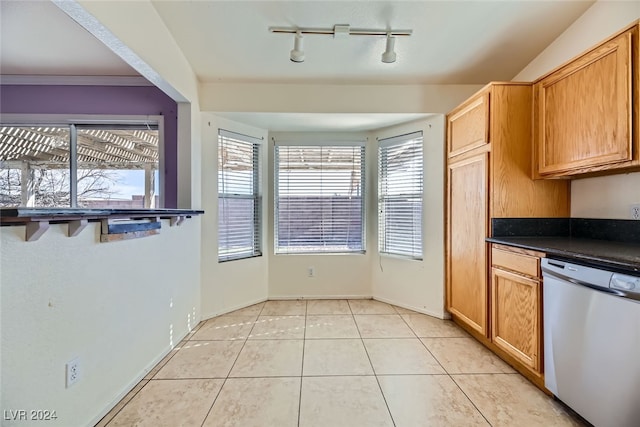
[(114, 100)]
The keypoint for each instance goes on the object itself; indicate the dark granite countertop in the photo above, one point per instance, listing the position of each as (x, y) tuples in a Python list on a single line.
[(605, 243), (619, 256)]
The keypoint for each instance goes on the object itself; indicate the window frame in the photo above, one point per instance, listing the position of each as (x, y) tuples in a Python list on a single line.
[(256, 196), (72, 120), (363, 187), (386, 143)]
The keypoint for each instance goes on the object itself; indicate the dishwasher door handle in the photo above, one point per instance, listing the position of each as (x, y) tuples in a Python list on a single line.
[(549, 272)]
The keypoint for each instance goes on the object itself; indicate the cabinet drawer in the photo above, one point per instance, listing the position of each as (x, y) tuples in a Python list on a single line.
[(516, 262), (468, 128)]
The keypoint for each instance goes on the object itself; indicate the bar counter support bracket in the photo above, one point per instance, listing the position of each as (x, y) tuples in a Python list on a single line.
[(75, 227), (35, 229), (176, 220)]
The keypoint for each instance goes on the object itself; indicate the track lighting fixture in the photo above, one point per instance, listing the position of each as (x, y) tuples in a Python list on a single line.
[(339, 31), (389, 55), (297, 54)]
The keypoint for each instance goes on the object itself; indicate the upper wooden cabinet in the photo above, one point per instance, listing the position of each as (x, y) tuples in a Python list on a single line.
[(584, 111), (468, 127)]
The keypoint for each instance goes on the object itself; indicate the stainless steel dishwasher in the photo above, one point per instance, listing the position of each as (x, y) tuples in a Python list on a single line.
[(592, 342)]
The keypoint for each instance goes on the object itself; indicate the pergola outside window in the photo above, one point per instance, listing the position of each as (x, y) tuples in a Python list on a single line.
[(80, 165)]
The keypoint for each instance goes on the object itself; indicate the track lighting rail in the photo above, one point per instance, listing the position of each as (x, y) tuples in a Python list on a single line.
[(338, 31)]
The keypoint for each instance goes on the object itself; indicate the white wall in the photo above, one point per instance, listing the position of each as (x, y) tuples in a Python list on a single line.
[(336, 276), (119, 307), (610, 196), (110, 304), (135, 32), (325, 98), (233, 284), (418, 285)]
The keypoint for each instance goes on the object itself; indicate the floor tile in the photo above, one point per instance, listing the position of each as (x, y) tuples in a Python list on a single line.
[(202, 359), (169, 403), (163, 362), (342, 401), (370, 306), (328, 306), (278, 327), (401, 356), (225, 328), (383, 326), (195, 329), (402, 310), (335, 357), (114, 411), (256, 402), (284, 308), (269, 358), (331, 326), (427, 326), (428, 400), (252, 310), (511, 400), (465, 356)]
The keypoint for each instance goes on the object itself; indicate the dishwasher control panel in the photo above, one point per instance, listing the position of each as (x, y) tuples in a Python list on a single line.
[(625, 282), (619, 284)]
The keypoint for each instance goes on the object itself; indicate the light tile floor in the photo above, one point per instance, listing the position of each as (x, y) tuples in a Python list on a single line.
[(331, 363)]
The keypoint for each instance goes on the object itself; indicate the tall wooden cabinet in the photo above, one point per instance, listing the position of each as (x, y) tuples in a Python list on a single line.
[(468, 206), (489, 176)]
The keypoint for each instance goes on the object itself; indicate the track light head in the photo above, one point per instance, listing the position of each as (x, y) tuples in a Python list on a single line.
[(297, 54), (389, 55)]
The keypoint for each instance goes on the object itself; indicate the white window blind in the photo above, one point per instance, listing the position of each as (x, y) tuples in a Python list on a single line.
[(319, 203), (400, 174), (239, 200)]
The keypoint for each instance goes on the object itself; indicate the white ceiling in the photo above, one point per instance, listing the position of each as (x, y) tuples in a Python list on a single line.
[(453, 42), (461, 42), (37, 38)]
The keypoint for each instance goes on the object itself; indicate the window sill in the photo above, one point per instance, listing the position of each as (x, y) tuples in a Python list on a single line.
[(143, 222)]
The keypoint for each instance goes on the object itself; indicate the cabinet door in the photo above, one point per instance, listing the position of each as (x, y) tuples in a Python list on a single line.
[(515, 314), (466, 248), (584, 111), (468, 127)]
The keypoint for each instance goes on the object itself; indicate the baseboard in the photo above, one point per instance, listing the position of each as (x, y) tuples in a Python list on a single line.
[(431, 313), (136, 380), (233, 308), (307, 297)]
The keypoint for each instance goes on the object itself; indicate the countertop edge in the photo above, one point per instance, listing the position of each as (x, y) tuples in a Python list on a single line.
[(610, 263), (21, 216)]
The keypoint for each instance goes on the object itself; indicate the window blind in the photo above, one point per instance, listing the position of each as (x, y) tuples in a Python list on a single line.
[(319, 203), (239, 200), (400, 176)]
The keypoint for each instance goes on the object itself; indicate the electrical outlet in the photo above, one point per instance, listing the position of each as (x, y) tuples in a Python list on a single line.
[(311, 272), (73, 372), (635, 211)]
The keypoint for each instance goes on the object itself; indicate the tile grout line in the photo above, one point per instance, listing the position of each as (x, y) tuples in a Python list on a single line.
[(425, 346), (304, 342), (472, 402), (125, 405), (232, 365), (148, 380), (372, 367), (445, 370)]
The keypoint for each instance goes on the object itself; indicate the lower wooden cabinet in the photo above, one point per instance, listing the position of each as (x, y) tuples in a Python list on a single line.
[(515, 308), (516, 305)]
